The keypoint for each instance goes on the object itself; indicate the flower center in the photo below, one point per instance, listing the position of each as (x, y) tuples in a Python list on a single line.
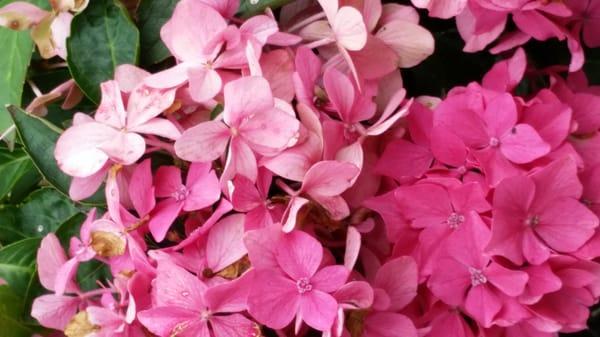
[(532, 220), (180, 194), (477, 277), (205, 315), (494, 142), (455, 219), (303, 285)]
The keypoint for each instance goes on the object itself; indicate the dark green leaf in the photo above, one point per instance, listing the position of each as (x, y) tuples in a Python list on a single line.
[(70, 228), (13, 167), (39, 139), (151, 16), (44, 211), (10, 230), (17, 264), (248, 8), (90, 272), (10, 310), (102, 37)]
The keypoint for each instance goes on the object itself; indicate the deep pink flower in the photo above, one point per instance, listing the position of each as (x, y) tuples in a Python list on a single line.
[(538, 214), (469, 278), (294, 284), (200, 190)]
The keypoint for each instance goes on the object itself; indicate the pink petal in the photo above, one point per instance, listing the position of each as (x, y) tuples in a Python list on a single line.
[(483, 304), (555, 180), (330, 278), (353, 243), (240, 161), (54, 311), (224, 245), (273, 299), (78, 150), (411, 42), (205, 83), (162, 321), (522, 144), (182, 34), (50, 257), (270, 129), (566, 224), (163, 216), (145, 103), (168, 181), (82, 188), (159, 127), (291, 213), (204, 192), (175, 286), (399, 279), (129, 77), (231, 296), (141, 191), (534, 251), (388, 324), (64, 276), (349, 28), (510, 282), (318, 309), (235, 325), (261, 251), (299, 254), (355, 295), (443, 9), (414, 161), (245, 196), (329, 178), (111, 110), (340, 92), (449, 281), (204, 142), (124, 147), (169, 78), (506, 75), (245, 97)]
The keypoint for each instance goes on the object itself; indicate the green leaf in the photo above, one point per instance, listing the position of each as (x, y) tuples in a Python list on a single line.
[(10, 230), (17, 264), (102, 37), (70, 228), (10, 311), (13, 167), (250, 8), (39, 139), (90, 272), (14, 60), (44, 211), (151, 16)]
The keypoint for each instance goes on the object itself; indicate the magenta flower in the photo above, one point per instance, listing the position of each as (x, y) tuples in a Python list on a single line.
[(201, 190), (539, 214), (293, 284), (467, 277), (488, 126)]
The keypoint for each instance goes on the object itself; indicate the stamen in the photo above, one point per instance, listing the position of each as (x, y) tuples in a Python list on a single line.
[(455, 219), (303, 285), (477, 277), (180, 194)]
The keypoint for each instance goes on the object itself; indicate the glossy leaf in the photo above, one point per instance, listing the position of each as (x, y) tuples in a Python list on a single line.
[(10, 230), (39, 139), (102, 37), (151, 16), (10, 310), (250, 8), (44, 211), (17, 264), (14, 166)]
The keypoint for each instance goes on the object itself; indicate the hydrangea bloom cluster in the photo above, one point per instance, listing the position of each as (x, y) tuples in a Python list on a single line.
[(277, 180)]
